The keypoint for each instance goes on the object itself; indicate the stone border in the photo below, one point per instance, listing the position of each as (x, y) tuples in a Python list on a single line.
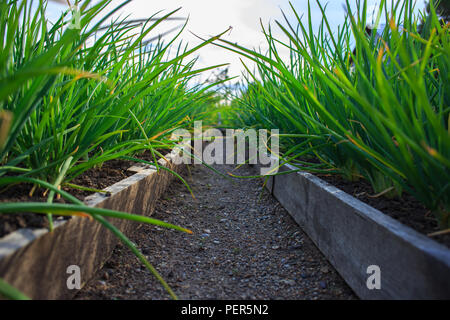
[(353, 236), (36, 261)]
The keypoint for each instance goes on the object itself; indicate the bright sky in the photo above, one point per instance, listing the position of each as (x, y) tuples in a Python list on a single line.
[(211, 17)]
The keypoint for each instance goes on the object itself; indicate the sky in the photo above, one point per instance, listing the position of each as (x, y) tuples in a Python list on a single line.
[(211, 17)]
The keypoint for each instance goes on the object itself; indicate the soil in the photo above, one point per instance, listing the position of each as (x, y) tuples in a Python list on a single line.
[(406, 209), (96, 178), (244, 246)]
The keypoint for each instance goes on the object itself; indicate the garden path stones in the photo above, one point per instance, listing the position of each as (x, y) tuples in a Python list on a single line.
[(244, 246)]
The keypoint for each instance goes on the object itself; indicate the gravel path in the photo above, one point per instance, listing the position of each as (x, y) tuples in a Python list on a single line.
[(244, 246)]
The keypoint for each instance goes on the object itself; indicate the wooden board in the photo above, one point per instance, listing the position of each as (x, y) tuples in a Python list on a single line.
[(354, 236), (36, 261)]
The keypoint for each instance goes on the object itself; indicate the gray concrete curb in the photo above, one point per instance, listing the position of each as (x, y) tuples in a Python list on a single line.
[(36, 261), (354, 236)]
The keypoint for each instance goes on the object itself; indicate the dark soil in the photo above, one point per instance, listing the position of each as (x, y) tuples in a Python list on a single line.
[(96, 178), (243, 247), (406, 209)]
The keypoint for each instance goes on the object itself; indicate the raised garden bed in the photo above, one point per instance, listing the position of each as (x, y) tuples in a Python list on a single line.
[(354, 236), (36, 261)]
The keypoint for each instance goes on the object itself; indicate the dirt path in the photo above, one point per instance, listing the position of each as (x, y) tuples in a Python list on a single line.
[(243, 247)]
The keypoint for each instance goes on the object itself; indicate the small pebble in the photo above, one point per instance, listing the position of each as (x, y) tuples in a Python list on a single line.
[(288, 282), (324, 270)]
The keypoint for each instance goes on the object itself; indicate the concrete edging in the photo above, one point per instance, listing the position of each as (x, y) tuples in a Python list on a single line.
[(36, 261), (353, 236)]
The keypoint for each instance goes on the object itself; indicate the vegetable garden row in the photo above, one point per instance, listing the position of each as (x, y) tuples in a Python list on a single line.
[(372, 106)]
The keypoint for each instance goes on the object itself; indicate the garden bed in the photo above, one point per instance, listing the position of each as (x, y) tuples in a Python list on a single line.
[(406, 209), (110, 173), (36, 261), (354, 236)]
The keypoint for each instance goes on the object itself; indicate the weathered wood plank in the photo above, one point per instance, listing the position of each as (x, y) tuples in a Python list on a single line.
[(353, 236), (36, 261)]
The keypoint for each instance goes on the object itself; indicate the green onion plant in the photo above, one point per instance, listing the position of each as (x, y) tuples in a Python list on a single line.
[(365, 106), (75, 96)]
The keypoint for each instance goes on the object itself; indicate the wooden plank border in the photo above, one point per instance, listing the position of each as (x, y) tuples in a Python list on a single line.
[(36, 261), (353, 236)]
